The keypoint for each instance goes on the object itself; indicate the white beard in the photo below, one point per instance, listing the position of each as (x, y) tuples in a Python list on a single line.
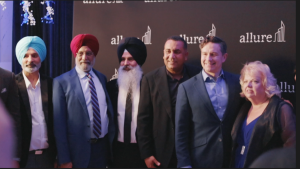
[(131, 78), (32, 70)]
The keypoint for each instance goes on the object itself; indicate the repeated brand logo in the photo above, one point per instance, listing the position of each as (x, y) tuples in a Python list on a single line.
[(146, 38), (285, 88), (251, 38), (147, 1), (103, 2), (198, 39)]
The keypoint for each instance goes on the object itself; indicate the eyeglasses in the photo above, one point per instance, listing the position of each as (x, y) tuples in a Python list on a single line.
[(86, 53)]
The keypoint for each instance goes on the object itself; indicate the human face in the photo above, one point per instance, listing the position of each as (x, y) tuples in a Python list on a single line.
[(85, 59), (252, 86), (174, 56), (127, 61), (31, 61), (212, 58)]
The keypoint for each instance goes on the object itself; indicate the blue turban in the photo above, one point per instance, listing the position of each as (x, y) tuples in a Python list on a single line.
[(27, 42)]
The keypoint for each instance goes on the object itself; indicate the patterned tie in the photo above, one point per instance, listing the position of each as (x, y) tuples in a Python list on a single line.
[(128, 117), (96, 110)]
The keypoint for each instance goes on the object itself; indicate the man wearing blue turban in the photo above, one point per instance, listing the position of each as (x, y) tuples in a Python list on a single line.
[(35, 94)]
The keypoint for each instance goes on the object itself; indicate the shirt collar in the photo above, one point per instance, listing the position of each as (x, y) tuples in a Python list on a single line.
[(28, 83), (82, 74), (171, 76), (208, 77)]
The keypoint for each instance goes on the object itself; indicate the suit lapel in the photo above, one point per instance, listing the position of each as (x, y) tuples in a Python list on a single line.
[(163, 90), (199, 85), (76, 86), (23, 93), (44, 95), (231, 88)]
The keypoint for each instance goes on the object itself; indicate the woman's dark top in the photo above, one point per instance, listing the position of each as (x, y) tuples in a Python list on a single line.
[(275, 128)]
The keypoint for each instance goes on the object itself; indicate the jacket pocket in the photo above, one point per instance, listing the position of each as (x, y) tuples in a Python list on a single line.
[(200, 142)]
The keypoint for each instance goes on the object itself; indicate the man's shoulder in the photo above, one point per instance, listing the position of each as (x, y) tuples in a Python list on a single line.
[(155, 72), (232, 76), (112, 84), (5, 73), (64, 76)]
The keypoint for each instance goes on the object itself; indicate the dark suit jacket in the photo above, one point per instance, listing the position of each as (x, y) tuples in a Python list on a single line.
[(275, 128), (9, 96), (26, 120), (71, 119), (202, 140), (155, 127), (113, 92)]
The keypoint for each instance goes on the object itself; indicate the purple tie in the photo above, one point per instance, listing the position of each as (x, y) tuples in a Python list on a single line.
[(96, 110)]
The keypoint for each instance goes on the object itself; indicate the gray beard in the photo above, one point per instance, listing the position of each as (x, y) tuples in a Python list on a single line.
[(131, 78), (32, 70)]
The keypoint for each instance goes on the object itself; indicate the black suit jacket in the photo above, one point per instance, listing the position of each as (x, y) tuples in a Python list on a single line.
[(9, 96), (202, 140), (26, 120), (155, 127)]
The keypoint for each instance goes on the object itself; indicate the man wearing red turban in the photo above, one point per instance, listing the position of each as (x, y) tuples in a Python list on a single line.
[(83, 114)]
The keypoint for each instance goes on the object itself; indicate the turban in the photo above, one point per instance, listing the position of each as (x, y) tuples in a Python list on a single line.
[(84, 40), (135, 47), (27, 42)]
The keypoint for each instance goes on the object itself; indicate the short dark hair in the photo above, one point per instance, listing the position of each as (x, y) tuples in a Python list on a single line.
[(214, 39), (178, 38)]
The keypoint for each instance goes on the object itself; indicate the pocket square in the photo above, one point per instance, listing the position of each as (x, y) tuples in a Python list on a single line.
[(3, 90)]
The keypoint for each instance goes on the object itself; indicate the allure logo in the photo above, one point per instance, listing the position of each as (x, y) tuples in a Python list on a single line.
[(279, 36), (198, 39), (103, 2), (285, 88), (146, 38)]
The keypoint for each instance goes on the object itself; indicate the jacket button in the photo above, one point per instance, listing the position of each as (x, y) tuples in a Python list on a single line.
[(88, 125)]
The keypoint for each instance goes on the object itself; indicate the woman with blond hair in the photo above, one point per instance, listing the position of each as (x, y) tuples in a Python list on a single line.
[(265, 121)]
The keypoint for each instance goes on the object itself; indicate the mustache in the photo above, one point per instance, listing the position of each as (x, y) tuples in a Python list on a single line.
[(126, 67), (85, 61), (30, 65)]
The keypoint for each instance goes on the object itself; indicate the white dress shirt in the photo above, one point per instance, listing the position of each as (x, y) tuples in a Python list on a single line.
[(121, 113), (39, 135), (84, 80)]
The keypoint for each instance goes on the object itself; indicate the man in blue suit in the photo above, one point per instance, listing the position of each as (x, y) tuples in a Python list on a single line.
[(207, 105), (83, 113)]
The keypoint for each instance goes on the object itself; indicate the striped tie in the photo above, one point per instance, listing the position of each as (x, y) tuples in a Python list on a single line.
[(96, 110)]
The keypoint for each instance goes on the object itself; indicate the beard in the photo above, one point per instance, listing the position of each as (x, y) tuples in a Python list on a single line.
[(131, 78), (31, 67), (86, 67)]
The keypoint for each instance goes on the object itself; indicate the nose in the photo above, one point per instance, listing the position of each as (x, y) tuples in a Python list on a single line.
[(249, 84), (172, 55), (29, 58), (126, 62)]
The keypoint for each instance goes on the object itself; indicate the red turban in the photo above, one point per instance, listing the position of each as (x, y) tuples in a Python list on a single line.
[(84, 40)]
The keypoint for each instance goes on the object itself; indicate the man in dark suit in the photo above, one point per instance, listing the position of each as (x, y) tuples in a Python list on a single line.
[(10, 99), (156, 116), (124, 93), (207, 106), (35, 93), (83, 115)]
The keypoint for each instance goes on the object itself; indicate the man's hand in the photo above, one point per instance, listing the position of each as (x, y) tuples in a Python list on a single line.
[(151, 162), (66, 165)]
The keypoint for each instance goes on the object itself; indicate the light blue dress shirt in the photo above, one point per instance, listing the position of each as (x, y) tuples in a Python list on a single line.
[(218, 92)]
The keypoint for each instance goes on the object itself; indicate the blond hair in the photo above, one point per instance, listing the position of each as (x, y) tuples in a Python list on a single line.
[(268, 80)]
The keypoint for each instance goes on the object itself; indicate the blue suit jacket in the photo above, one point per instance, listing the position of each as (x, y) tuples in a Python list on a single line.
[(201, 139), (71, 119)]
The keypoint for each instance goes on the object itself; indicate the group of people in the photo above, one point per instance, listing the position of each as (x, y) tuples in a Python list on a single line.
[(175, 116)]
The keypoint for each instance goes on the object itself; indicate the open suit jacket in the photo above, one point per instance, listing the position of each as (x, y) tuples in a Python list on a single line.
[(26, 120), (201, 139), (71, 119), (10, 98), (155, 123)]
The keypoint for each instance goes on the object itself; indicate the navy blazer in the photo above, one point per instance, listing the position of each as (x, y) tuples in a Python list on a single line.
[(71, 119), (201, 139)]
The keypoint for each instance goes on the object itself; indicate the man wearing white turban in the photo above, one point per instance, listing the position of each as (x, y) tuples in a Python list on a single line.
[(35, 93)]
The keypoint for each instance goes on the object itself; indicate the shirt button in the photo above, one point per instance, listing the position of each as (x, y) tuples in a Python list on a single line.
[(220, 140), (88, 125)]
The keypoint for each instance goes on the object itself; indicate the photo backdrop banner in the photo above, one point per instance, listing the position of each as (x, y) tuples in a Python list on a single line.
[(253, 30)]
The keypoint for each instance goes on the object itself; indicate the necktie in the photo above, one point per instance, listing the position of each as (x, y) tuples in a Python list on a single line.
[(95, 105), (128, 117)]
